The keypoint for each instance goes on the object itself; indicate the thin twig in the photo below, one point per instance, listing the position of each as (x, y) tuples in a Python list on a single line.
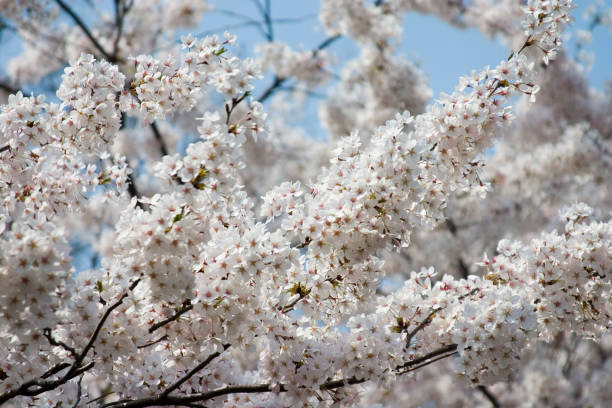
[(100, 324), (421, 325), (54, 342), (193, 371), (152, 343), (187, 306), (39, 385), (79, 392), (85, 29), (162, 145), (428, 362), (277, 82), (121, 9), (494, 402), (443, 350)]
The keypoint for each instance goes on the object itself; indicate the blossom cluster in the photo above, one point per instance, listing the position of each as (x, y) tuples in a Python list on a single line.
[(161, 87), (202, 286), (309, 67)]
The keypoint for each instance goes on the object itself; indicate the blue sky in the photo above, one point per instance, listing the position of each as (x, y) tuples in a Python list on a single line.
[(445, 53)]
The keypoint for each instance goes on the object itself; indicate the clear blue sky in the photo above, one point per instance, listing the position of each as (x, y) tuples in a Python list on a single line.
[(444, 52)]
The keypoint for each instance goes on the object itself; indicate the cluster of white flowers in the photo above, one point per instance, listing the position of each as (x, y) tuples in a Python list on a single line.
[(372, 89), (310, 67), (183, 13), (89, 89), (541, 24), (195, 293), (359, 19), (161, 87), (34, 268), (46, 145)]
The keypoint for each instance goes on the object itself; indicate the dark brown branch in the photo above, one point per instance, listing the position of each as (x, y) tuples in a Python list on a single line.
[(289, 306), (279, 81), (190, 398), (54, 342), (494, 402), (451, 348), (55, 369), (421, 326), (152, 343), (4, 148), (85, 29), (193, 371), (331, 385), (187, 306), (40, 385), (186, 400), (162, 145), (133, 191), (428, 362), (96, 332), (235, 102), (8, 88), (121, 9), (79, 392)]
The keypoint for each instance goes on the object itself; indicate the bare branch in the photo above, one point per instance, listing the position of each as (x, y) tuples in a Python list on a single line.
[(187, 306), (79, 392), (8, 88), (151, 343), (162, 145), (85, 29), (54, 342), (40, 385), (494, 402), (193, 371), (55, 369), (451, 348), (421, 325), (428, 362), (121, 9), (279, 81)]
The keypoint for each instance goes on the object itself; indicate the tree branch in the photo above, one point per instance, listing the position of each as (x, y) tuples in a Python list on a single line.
[(451, 348), (54, 342), (421, 325), (162, 145), (8, 88), (187, 306), (193, 371), (88, 33), (494, 402), (121, 9), (279, 81), (40, 385), (164, 399)]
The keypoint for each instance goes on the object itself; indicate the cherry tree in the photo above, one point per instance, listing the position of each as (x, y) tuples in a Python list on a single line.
[(239, 262)]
